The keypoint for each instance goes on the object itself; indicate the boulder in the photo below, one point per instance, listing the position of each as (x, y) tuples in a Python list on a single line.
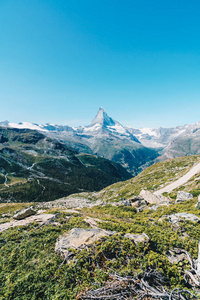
[(197, 205), (79, 238), (6, 215), (149, 197), (164, 200), (136, 198), (140, 205), (154, 207), (41, 219), (137, 238), (183, 196), (26, 212), (126, 202), (175, 218)]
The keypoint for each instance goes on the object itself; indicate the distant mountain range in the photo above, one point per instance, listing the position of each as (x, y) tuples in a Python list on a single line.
[(134, 149), (34, 168)]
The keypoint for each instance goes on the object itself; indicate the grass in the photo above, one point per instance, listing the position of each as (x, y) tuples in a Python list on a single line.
[(153, 178)]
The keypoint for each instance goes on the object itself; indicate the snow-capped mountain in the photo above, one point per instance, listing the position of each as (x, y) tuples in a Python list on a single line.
[(104, 137), (133, 148), (104, 126), (159, 137), (33, 126)]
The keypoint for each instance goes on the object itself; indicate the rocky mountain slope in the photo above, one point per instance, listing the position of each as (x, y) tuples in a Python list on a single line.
[(106, 248), (34, 167), (186, 143), (171, 142)]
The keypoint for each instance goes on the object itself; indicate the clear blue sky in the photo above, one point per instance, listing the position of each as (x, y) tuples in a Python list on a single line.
[(60, 60)]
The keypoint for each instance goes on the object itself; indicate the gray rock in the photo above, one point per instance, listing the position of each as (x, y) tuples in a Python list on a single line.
[(6, 215), (176, 257), (137, 238), (140, 205), (149, 197), (79, 238), (136, 198), (164, 200), (154, 207), (26, 212), (175, 218), (183, 196), (41, 219), (126, 202), (197, 205)]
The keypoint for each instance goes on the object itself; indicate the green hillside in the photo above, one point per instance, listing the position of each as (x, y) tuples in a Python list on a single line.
[(36, 168), (153, 178)]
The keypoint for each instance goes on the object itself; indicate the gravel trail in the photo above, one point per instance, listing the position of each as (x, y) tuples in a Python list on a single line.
[(193, 171)]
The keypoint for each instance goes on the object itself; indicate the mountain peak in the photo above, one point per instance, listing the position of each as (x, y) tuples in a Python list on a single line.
[(103, 119)]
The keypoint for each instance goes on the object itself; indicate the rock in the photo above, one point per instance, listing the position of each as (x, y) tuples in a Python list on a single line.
[(126, 202), (197, 205), (26, 212), (176, 257), (140, 205), (92, 222), (175, 218), (164, 200), (6, 215), (149, 197), (154, 207), (136, 198), (41, 219), (183, 196), (137, 238), (79, 237)]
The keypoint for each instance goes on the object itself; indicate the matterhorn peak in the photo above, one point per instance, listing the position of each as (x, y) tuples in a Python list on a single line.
[(103, 119)]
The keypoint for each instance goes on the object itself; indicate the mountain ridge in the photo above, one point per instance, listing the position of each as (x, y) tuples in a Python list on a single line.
[(104, 137)]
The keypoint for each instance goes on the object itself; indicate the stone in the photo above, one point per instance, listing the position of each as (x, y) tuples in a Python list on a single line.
[(26, 212), (183, 196), (149, 197), (136, 198), (197, 205), (140, 205), (154, 207), (137, 238), (41, 219), (6, 215), (79, 238), (175, 257), (164, 200), (126, 202), (175, 218)]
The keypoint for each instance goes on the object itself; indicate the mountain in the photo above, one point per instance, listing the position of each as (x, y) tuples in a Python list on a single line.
[(34, 167), (134, 149), (157, 138), (186, 143), (103, 137)]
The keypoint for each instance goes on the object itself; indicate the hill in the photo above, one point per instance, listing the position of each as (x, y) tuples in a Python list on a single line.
[(153, 178), (100, 251), (36, 168)]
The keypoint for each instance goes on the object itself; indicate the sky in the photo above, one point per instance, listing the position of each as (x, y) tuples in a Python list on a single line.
[(61, 60)]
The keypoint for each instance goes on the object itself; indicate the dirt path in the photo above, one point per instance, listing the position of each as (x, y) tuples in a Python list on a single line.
[(193, 171)]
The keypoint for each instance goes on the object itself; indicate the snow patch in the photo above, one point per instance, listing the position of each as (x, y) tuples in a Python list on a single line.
[(26, 125)]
